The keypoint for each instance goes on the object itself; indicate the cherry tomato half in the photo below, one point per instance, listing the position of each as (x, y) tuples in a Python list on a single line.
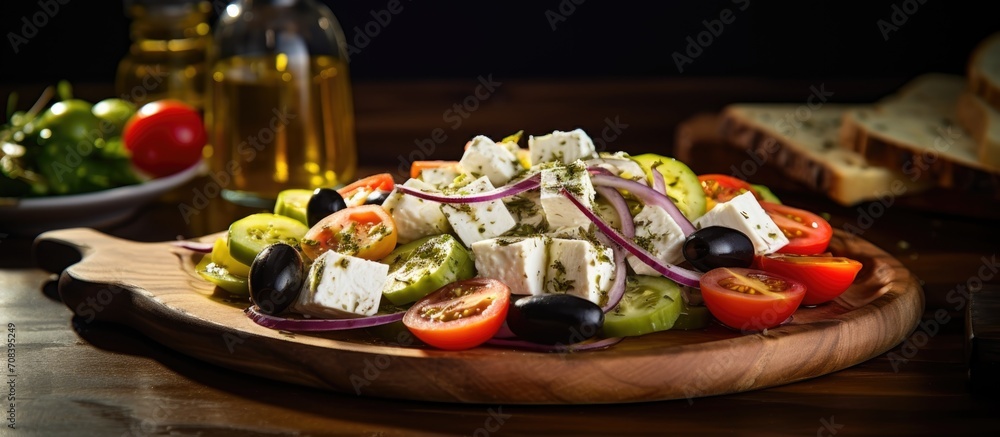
[(748, 299), (357, 192), (365, 231), (808, 233), (165, 137), (720, 188), (825, 277), (460, 315)]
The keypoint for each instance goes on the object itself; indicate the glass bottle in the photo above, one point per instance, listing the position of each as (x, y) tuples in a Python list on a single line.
[(167, 55), (279, 111)]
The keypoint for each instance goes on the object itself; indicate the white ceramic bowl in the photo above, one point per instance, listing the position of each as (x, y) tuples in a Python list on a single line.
[(97, 209)]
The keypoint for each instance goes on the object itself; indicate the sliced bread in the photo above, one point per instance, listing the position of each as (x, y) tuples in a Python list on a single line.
[(803, 144), (981, 121), (915, 131), (984, 71)]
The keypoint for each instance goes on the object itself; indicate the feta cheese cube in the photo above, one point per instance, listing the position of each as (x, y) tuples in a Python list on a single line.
[(564, 147), (560, 211), (660, 235), (580, 268), (415, 217), (478, 221), (342, 286), (526, 208), (440, 177), (517, 262), (486, 158), (745, 214)]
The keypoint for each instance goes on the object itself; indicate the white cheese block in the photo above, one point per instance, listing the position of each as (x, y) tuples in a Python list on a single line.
[(563, 147), (560, 211), (440, 177), (745, 214), (478, 221), (486, 158), (517, 262), (660, 235), (526, 208), (415, 217), (342, 286), (580, 268)]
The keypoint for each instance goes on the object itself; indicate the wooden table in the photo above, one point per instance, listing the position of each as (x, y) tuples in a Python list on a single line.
[(79, 379)]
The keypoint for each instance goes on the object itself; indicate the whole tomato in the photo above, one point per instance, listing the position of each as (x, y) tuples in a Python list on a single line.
[(165, 137)]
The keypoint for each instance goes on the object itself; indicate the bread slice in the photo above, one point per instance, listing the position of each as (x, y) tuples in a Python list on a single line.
[(984, 71), (807, 150), (981, 121), (915, 131)]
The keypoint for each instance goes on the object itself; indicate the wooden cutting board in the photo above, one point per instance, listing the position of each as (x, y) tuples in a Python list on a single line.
[(152, 287)]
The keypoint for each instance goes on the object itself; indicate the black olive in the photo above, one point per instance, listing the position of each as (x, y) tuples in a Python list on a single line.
[(377, 197), (718, 246), (276, 278), (324, 201), (554, 319)]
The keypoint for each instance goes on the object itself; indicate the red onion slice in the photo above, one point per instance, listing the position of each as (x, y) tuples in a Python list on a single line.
[(647, 195), (677, 274), (284, 324), (658, 183), (194, 246), (576, 347), (628, 230), (530, 183)]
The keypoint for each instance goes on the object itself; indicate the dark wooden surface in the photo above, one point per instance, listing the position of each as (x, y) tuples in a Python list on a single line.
[(79, 378)]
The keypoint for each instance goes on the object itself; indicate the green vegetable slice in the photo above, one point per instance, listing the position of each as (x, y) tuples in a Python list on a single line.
[(250, 235), (422, 266), (650, 304), (293, 203), (682, 184), (221, 277)]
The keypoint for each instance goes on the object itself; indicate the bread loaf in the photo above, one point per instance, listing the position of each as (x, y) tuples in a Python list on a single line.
[(984, 71), (915, 131), (982, 122), (806, 150)]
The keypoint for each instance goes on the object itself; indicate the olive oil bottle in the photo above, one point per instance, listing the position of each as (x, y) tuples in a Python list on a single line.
[(167, 55), (279, 111)]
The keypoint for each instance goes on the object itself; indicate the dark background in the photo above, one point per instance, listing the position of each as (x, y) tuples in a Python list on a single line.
[(599, 38)]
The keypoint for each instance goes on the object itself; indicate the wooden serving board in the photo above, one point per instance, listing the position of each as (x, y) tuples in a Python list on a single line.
[(153, 288)]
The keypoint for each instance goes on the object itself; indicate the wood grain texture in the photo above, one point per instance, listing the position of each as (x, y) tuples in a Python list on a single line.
[(152, 287)]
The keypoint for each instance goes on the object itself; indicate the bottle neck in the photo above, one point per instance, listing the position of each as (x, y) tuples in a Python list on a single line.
[(169, 27)]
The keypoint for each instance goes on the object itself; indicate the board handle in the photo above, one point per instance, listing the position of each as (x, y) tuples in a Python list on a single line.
[(55, 251), (90, 297)]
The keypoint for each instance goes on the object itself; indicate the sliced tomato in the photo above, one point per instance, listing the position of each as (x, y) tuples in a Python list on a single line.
[(808, 233), (824, 276), (748, 299), (357, 193), (720, 188), (365, 231), (460, 315), (419, 166)]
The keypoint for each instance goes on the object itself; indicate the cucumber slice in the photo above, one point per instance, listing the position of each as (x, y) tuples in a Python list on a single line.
[(681, 183), (420, 267), (250, 235), (765, 193), (650, 304), (221, 257), (222, 277), (293, 203), (692, 317)]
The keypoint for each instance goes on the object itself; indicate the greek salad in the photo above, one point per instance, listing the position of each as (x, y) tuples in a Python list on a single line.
[(550, 247)]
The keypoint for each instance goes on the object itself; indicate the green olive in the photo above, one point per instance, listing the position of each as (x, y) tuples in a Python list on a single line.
[(113, 114)]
